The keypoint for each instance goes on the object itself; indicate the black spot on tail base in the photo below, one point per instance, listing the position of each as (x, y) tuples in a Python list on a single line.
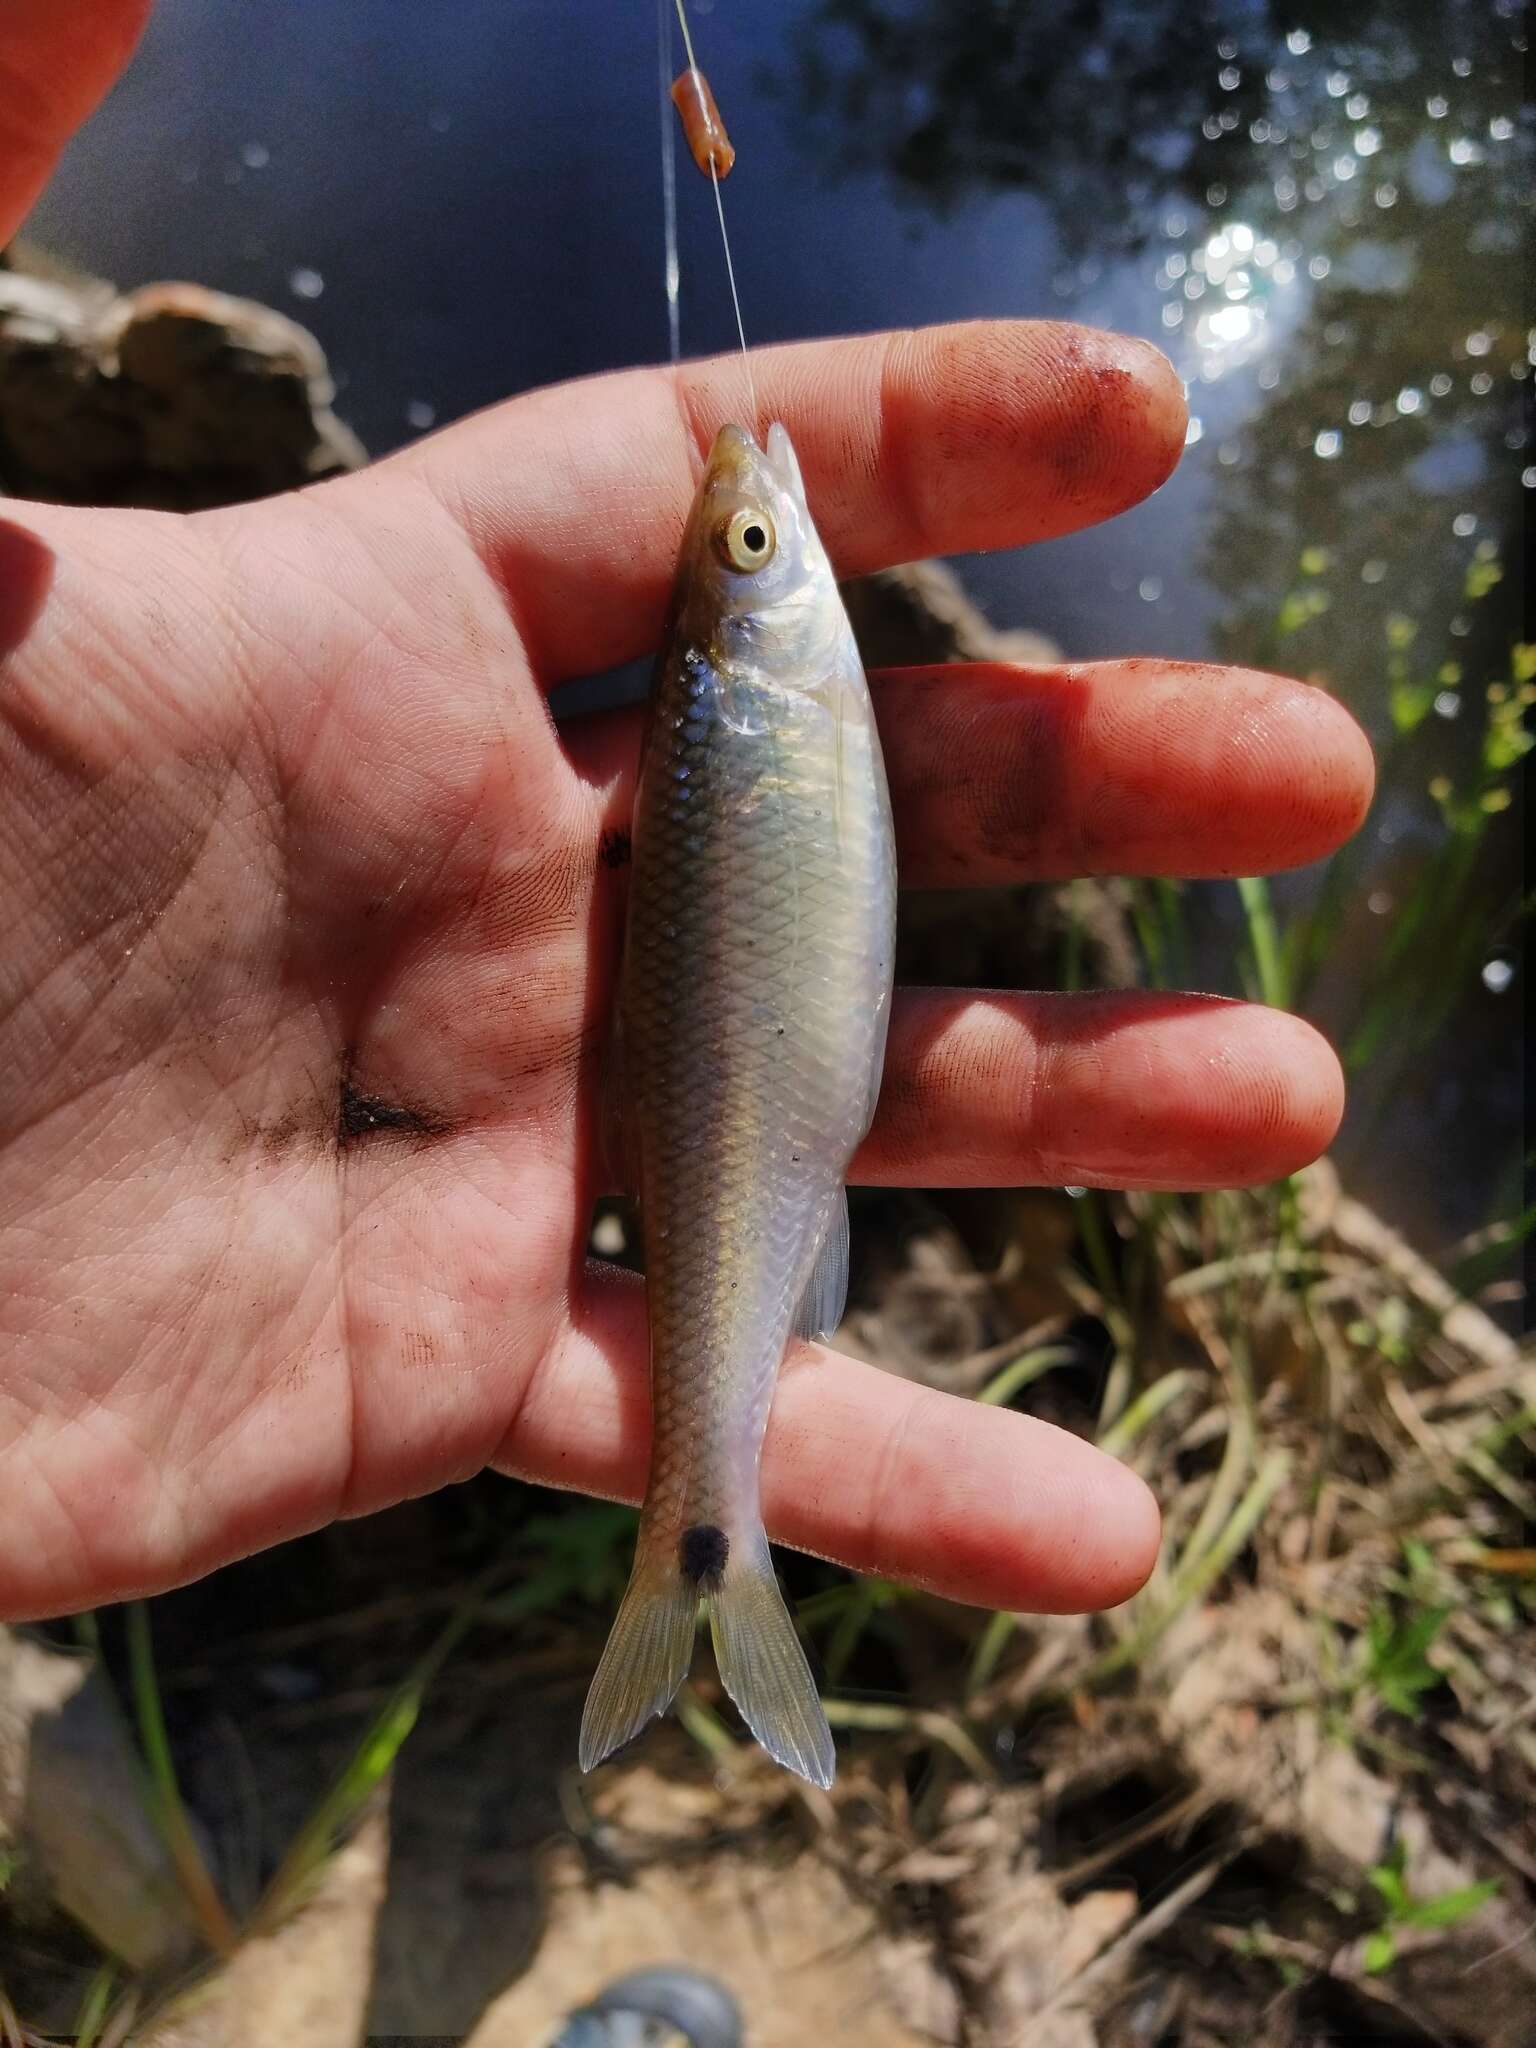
[(702, 1552)]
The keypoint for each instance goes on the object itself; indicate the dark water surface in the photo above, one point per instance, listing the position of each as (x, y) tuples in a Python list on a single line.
[(1321, 214)]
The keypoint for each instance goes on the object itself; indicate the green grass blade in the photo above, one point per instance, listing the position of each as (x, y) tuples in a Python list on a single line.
[(1471, 1273), (365, 1770), (93, 2007), (990, 1645), (1089, 1216), (1264, 940), (1023, 1371), (937, 1727), (170, 1815), (1144, 1410), (1379, 1952), (868, 1598), (1191, 1586), (706, 1727), (1451, 1907), (1493, 1440)]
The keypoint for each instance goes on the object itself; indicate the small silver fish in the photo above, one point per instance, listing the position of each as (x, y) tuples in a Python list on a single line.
[(753, 1006)]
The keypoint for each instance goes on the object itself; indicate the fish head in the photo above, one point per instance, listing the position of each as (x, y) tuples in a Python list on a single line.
[(758, 588)]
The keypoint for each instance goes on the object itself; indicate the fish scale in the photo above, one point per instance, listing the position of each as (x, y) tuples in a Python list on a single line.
[(754, 999)]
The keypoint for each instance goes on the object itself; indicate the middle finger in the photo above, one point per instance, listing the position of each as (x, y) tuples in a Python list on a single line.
[(1002, 774)]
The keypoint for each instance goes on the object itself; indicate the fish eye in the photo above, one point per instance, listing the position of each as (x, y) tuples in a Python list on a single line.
[(747, 540)]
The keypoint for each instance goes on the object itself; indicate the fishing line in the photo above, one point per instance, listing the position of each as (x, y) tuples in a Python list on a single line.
[(669, 200), (730, 271), (671, 275)]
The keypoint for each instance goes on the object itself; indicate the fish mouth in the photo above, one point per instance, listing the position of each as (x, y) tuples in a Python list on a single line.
[(781, 455), (737, 459)]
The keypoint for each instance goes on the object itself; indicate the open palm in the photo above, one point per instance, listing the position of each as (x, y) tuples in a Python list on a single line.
[(311, 916)]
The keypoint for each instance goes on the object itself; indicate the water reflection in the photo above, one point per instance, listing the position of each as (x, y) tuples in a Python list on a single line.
[(1248, 276), (1339, 216), (1333, 225)]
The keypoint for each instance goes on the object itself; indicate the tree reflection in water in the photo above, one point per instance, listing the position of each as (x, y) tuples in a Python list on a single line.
[(1336, 217)]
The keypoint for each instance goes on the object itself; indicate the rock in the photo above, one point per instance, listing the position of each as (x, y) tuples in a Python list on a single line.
[(171, 396), (920, 613), (72, 1811)]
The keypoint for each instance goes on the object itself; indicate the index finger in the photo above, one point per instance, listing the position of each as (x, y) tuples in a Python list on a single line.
[(932, 441)]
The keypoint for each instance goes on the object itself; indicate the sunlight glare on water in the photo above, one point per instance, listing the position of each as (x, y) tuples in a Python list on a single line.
[(1247, 271)]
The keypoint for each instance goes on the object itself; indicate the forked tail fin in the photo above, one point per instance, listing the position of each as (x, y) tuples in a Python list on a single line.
[(762, 1665), (645, 1658), (764, 1669)]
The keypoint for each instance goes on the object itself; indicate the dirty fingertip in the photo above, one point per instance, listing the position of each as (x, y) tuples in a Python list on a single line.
[(1166, 415)]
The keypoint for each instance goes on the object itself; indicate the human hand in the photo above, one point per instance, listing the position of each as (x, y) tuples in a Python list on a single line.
[(311, 935)]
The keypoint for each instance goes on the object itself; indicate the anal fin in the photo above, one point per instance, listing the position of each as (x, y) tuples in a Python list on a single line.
[(825, 1300)]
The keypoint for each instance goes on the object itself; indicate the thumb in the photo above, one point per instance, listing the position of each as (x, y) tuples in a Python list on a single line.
[(56, 63)]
